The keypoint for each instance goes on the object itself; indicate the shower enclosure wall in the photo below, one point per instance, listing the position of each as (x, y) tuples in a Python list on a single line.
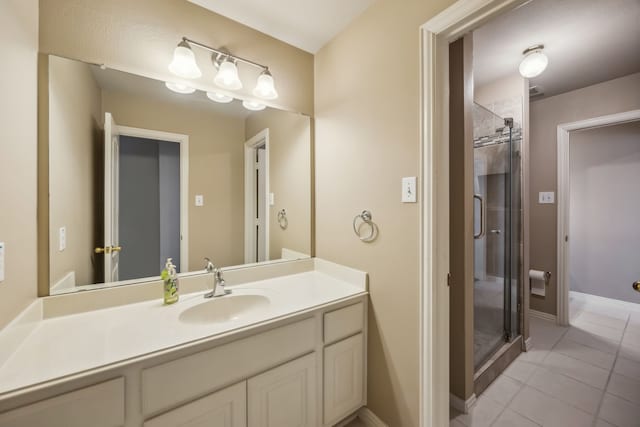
[(497, 232)]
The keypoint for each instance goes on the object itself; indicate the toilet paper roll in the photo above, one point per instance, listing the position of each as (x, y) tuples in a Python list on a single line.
[(539, 275)]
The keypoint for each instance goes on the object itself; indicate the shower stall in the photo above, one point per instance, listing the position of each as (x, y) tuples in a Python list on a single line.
[(497, 233)]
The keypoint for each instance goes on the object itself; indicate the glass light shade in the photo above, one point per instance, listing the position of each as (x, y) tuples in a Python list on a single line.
[(184, 63), (253, 105), (219, 97), (265, 87), (179, 87), (227, 76), (533, 64)]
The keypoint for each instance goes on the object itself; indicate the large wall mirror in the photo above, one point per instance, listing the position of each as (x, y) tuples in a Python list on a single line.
[(139, 173)]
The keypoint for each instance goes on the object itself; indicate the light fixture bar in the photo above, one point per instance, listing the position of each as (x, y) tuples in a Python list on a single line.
[(225, 54)]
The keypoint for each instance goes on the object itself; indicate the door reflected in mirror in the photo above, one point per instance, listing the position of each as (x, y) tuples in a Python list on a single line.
[(139, 173)]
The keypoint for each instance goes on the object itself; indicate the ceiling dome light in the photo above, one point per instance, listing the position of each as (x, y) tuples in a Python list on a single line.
[(534, 62), (253, 105), (265, 87), (179, 87), (227, 76), (219, 97), (184, 62)]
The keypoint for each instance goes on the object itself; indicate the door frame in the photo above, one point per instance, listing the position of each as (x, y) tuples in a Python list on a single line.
[(183, 140), (564, 188), (435, 36), (250, 190)]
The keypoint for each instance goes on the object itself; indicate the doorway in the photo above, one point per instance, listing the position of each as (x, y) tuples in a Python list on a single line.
[(257, 198)]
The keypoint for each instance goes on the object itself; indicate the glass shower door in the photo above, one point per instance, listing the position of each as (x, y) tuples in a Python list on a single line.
[(494, 213)]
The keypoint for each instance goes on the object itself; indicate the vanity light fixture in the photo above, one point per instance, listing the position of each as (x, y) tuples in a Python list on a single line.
[(219, 97), (253, 105), (227, 76), (227, 64), (184, 62), (534, 62), (179, 87)]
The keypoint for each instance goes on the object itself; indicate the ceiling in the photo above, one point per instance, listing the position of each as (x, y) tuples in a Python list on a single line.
[(305, 24), (587, 42)]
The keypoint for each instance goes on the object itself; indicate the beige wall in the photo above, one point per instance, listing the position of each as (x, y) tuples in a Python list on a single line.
[(75, 120), (604, 203), (367, 138), (610, 97), (140, 36), (18, 150), (289, 176), (216, 164)]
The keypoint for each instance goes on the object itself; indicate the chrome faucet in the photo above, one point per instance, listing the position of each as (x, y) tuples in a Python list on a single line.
[(218, 281)]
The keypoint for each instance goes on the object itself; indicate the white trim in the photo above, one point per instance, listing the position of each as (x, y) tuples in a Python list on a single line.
[(250, 145), (435, 35), (564, 188), (369, 418), (542, 315), (183, 140), (528, 344), (347, 420), (462, 405)]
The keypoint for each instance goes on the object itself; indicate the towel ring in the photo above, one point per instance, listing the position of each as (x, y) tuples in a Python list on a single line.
[(283, 221), (365, 218)]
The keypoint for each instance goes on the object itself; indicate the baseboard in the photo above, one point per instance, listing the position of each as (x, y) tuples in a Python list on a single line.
[(462, 405), (369, 418), (528, 344), (542, 315), (347, 420)]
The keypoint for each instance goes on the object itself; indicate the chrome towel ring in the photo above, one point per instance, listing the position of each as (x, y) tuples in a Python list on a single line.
[(365, 219), (283, 221)]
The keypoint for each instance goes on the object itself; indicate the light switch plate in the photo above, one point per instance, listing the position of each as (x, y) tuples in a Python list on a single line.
[(199, 200), (2, 261), (272, 199), (409, 189), (62, 239), (546, 197)]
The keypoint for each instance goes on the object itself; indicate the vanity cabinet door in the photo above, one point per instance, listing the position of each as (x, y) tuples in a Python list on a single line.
[(343, 378), (225, 408), (284, 396)]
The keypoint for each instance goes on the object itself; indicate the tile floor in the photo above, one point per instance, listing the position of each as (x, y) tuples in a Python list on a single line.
[(587, 374)]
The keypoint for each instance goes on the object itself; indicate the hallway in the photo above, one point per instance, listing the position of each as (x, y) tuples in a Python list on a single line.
[(587, 374)]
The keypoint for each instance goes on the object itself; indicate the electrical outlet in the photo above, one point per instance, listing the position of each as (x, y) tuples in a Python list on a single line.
[(199, 200), (546, 197)]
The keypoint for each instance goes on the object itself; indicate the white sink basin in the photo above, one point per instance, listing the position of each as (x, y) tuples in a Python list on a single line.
[(224, 309)]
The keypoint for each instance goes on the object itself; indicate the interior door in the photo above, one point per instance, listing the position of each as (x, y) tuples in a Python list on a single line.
[(111, 197)]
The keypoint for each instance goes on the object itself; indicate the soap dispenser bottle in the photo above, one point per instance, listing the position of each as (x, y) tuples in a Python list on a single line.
[(170, 279)]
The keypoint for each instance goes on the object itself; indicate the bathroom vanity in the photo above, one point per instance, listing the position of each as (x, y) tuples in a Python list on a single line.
[(286, 348)]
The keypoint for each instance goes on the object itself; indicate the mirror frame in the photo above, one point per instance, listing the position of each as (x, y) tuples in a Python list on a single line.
[(43, 206)]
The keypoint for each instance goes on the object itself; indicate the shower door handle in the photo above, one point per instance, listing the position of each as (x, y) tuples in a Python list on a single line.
[(636, 286), (483, 217)]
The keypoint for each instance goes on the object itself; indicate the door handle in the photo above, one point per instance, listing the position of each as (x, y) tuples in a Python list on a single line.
[(108, 249), (636, 286), (495, 231), (483, 218)]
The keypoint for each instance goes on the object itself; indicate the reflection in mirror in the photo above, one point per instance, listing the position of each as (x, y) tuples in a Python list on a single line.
[(139, 173)]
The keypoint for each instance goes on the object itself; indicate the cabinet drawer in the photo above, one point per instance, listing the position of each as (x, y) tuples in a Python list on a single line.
[(184, 379), (225, 408), (101, 405), (343, 322)]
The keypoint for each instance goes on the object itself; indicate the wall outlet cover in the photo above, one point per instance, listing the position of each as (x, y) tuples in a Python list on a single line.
[(546, 197), (199, 200)]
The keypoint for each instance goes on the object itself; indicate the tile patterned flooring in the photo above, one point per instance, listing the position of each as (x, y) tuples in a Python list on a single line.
[(587, 374)]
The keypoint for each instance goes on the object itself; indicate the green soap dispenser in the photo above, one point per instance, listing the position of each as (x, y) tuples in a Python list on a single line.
[(170, 278)]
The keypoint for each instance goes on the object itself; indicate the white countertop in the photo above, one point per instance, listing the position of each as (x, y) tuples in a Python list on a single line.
[(61, 346)]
